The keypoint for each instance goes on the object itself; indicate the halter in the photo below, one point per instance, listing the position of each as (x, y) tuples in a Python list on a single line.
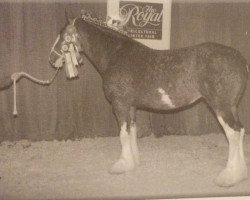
[(86, 16), (53, 49), (61, 54), (69, 53)]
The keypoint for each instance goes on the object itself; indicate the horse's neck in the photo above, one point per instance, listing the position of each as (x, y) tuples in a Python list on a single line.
[(99, 46)]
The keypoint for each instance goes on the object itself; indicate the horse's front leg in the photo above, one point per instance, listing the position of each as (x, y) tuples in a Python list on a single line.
[(129, 157)]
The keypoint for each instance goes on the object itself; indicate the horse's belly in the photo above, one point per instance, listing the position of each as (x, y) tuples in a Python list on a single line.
[(161, 99)]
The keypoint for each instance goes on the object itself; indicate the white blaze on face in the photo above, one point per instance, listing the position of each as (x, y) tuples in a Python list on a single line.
[(165, 98)]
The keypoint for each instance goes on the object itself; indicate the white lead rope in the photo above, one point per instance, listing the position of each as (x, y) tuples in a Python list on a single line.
[(19, 75)]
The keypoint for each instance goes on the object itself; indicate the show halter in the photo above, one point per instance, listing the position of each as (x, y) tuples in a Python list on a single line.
[(68, 53)]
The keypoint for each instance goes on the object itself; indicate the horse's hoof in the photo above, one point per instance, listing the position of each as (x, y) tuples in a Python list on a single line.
[(229, 177), (121, 166)]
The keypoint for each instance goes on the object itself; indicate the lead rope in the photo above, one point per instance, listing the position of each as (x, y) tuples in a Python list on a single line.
[(19, 75)]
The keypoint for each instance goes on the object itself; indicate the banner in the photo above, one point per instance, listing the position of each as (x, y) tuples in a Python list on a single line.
[(147, 21)]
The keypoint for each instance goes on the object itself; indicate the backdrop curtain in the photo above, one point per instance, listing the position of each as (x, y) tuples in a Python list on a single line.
[(73, 109)]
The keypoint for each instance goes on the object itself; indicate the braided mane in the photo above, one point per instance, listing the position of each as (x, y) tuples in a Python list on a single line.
[(103, 26)]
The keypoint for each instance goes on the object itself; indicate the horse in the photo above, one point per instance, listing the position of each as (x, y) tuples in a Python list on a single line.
[(138, 77)]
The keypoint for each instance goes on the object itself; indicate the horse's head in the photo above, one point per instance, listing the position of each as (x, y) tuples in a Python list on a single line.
[(65, 51)]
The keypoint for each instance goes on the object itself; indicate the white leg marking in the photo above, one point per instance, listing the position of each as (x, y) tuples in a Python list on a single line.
[(125, 141), (165, 98), (236, 169), (126, 161), (134, 146)]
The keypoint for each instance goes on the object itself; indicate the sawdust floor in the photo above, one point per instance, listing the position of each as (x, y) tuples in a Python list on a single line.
[(172, 166)]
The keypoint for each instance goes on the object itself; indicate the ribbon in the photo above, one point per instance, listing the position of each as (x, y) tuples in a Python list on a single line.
[(70, 54), (73, 55), (70, 68), (70, 57)]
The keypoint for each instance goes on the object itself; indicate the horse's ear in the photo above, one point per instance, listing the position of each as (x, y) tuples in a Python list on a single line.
[(68, 16)]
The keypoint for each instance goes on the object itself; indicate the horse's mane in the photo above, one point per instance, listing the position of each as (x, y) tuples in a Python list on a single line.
[(110, 31), (105, 29)]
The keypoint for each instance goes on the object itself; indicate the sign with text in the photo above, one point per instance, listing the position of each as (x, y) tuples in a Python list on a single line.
[(142, 20)]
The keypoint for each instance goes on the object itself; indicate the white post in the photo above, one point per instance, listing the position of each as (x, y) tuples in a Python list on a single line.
[(113, 9)]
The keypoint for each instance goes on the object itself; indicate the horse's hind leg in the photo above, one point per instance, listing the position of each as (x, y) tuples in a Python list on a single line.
[(236, 169), (129, 157)]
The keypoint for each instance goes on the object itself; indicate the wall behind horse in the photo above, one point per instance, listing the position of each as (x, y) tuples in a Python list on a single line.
[(71, 109), (66, 109)]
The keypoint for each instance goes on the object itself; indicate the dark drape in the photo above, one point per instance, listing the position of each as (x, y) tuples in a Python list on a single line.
[(72, 109), (66, 109)]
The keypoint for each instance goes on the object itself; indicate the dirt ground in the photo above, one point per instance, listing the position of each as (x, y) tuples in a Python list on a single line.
[(171, 166)]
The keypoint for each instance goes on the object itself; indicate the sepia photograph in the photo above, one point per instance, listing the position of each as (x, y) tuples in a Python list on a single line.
[(125, 99)]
